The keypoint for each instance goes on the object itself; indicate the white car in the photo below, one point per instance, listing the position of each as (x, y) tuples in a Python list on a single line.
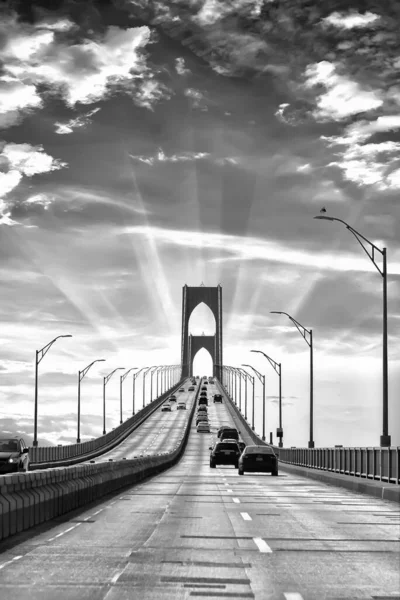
[(203, 428), (166, 408), (181, 406)]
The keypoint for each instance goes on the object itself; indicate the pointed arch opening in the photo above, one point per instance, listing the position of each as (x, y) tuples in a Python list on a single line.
[(202, 320), (202, 363)]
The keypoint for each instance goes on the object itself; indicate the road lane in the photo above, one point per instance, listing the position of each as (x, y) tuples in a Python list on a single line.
[(181, 535)]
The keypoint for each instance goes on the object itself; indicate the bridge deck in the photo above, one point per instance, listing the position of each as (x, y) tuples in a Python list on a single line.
[(194, 532)]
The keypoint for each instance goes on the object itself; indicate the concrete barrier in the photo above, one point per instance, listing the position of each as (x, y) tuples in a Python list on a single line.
[(32, 498)]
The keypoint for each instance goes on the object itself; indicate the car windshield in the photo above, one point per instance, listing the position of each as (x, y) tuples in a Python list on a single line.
[(259, 450), (226, 446), (9, 446)]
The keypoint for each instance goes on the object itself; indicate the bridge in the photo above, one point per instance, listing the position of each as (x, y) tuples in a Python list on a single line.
[(138, 513)]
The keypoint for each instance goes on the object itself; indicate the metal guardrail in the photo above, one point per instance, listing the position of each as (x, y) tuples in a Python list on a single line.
[(381, 464), (50, 454)]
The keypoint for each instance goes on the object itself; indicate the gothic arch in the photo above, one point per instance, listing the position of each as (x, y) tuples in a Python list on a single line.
[(191, 298)]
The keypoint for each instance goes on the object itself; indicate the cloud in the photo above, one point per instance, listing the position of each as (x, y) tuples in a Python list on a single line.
[(22, 159), (343, 97), (180, 67), (81, 121), (240, 248), (198, 98), (351, 19), (368, 163), (161, 157), (84, 71)]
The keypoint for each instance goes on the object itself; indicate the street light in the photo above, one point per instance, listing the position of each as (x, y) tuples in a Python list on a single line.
[(151, 381), (303, 332), (144, 385), (278, 369), (247, 377), (81, 375), (385, 439), (121, 380), (44, 351), (106, 379), (251, 378), (135, 375), (262, 379)]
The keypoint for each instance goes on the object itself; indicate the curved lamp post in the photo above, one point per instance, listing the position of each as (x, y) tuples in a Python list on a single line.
[(144, 384), (385, 439), (81, 375), (303, 332), (262, 379), (252, 379), (38, 359), (135, 375), (121, 380), (278, 369), (151, 381), (247, 377), (106, 379)]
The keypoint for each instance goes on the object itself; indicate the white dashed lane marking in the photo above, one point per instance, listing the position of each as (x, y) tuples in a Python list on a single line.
[(236, 500), (246, 517), (262, 546), (292, 596)]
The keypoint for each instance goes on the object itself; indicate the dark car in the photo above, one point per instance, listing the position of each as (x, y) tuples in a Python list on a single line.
[(202, 408), (218, 398), (242, 446), (205, 382), (201, 419), (228, 432), (258, 459), (203, 401), (203, 389), (14, 456), (224, 453), (191, 389)]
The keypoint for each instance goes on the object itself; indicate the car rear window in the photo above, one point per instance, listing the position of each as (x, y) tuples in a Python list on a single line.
[(9, 446), (227, 446), (259, 450)]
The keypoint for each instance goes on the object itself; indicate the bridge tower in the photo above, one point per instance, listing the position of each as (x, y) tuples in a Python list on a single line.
[(191, 297)]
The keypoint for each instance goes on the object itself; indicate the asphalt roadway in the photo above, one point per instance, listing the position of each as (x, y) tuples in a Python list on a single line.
[(196, 532)]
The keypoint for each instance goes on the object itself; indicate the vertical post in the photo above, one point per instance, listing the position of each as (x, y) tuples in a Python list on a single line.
[(280, 406), (235, 386), (151, 386), (35, 442), (120, 399), (385, 437), (78, 434), (263, 382), (252, 408), (133, 393), (104, 405), (144, 388), (240, 391), (311, 440), (245, 397)]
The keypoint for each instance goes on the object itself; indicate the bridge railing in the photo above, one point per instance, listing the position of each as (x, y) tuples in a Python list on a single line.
[(382, 464), (51, 454)]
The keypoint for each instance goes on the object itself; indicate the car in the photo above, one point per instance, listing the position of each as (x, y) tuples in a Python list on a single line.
[(197, 377), (228, 431), (202, 408), (191, 389), (166, 408), (14, 455), (203, 395), (224, 453), (182, 389), (218, 398), (203, 428), (203, 388), (241, 445), (201, 418), (211, 381), (181, 406), (172, 399), (203, 401), (258, 459), (205, 382)]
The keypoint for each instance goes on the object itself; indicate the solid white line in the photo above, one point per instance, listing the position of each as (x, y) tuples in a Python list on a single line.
[(262, 545), (10, 561), (236, 500), (246, 517), (292, 596)]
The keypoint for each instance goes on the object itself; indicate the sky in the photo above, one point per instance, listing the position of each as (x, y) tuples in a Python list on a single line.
[(147, 144)]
